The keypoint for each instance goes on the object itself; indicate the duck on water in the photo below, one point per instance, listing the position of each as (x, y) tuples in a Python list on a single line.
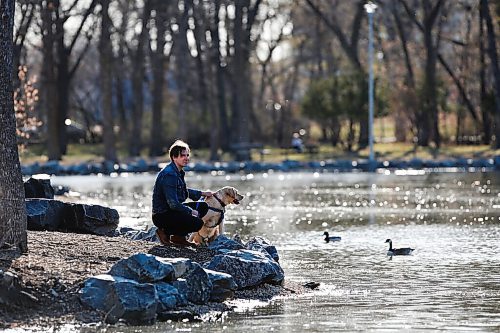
[(329, 238), (404, 251)]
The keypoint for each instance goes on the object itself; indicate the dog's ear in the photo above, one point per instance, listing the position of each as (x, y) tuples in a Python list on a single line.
[(225, 190)]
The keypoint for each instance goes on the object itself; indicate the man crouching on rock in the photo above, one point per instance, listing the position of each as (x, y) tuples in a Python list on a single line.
[(174, 218)]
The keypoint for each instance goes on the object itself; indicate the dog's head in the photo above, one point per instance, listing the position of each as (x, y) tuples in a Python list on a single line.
[(229, 195)]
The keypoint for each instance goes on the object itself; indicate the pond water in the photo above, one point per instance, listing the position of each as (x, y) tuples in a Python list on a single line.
[(451, 282)]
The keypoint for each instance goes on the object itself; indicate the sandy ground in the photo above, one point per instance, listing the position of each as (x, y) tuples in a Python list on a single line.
[(57, 264)]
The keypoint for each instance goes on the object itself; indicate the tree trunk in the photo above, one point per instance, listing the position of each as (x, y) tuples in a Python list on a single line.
[(158, 66), (242, 87), (27, 14), (49, 91), (135, 143), (106, 56), (120, 75), (205, 100), (335, 127), (63, 80), (402, 114), (223, 128), (492, 52), (430, 118), (482, 80), (182, 56), (12, 208)]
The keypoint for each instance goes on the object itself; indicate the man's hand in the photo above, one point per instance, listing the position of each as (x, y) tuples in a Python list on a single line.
[(207, 194), (195, 213)]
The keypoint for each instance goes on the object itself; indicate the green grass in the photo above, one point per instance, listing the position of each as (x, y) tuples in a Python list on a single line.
[(78, 153), (387, 151)]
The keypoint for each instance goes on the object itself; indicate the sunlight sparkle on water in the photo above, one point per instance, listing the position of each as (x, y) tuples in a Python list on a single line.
[(451, 219), (409, 172)]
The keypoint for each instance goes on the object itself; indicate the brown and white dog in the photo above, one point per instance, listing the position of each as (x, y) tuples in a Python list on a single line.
[(213, 221)]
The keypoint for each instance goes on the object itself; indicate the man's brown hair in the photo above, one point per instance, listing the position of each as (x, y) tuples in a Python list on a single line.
[(176, 148)]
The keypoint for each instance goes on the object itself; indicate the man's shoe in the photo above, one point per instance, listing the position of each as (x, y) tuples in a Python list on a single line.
[(181, 240), (163, 237)]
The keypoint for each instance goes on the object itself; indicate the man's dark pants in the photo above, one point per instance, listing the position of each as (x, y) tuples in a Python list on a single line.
[(181, 223)]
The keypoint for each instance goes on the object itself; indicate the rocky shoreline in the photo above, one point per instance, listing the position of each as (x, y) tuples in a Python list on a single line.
[(57, 264), (331, 165)]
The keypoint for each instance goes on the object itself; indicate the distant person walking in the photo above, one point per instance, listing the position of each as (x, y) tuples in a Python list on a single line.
[(174, 218), (297, 143)]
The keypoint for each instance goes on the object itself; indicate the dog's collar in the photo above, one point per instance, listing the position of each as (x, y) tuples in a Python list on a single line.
[(219, 200), (221, 217), (204, 239)]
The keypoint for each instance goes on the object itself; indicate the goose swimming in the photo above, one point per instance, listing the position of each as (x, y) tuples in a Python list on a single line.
[(404, 251), (329, 238)]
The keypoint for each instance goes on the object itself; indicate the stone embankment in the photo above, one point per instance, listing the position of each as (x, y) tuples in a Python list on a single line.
[(340, 165)]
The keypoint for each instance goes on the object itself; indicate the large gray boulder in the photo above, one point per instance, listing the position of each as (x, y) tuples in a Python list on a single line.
[(168, 297), (189, 278), (248, 268), (46, 214), (92, 219), (261, 244), (55, 215), (143, 267), (12, 293), (223, 286), (182, 286), (199, 286), (38, 188), (222, 242), (121, 298), (181, 265)]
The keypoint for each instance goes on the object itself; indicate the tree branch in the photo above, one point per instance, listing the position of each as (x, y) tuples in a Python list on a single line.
[(461, 89), (78, 32)]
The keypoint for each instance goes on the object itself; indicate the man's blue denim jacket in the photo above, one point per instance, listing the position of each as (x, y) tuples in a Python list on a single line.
[(170, 191)]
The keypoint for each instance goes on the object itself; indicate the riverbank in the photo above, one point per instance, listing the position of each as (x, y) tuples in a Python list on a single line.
[(288, 165), (57, 264), (93, 153), (87, 159)]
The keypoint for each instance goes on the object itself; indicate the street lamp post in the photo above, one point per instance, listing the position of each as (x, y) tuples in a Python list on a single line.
[(370, 8)]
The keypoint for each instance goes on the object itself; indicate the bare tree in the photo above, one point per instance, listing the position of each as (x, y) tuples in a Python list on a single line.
[(27, 13), (427, 118), (219, 70), (492, 52), (106, 57), (49, 92), (119, 72), (158, 61), (58, 71), (241, 81), (182, 58), (482, 79), (202, 61), (12, 207), (350, 46), (138, 74)]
